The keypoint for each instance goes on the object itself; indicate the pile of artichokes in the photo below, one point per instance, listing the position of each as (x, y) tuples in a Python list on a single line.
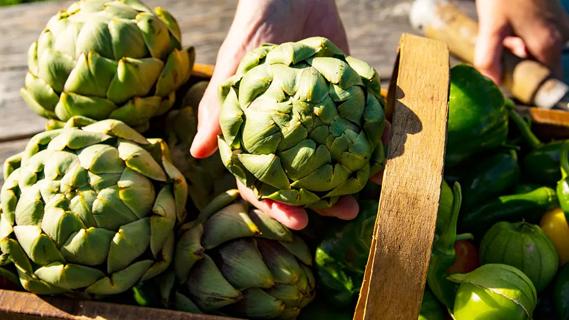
[(108, 201)]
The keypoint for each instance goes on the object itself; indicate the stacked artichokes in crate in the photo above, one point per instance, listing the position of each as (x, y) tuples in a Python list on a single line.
[(108, 201)]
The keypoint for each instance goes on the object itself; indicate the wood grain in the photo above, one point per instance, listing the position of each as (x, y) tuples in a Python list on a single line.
[(404, 231), (27, 306)]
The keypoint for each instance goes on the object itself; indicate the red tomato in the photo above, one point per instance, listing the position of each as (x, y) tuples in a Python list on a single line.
[(466, 257)]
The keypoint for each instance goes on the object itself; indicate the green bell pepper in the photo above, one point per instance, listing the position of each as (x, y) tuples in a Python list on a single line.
[(528, 206), (443, 253), (341, 257), (478, 118), (485, 179), (541, 165)]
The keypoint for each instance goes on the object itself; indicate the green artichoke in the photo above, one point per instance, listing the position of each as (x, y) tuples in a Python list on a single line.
[(208, 177), (90, 209), (107, 59), (302, 123), (235, 260)]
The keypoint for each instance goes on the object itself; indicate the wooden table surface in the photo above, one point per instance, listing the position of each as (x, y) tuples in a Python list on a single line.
[(373, 28)]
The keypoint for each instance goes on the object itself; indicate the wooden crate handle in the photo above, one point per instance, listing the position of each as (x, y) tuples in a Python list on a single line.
[(397, 266)]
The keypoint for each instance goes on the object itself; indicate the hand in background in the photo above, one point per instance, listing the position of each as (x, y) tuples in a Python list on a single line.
[(257, 22), (528, 28)]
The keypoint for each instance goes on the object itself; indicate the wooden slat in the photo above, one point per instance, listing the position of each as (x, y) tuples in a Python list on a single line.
[(547, 124), (405, 226), (27, 306)]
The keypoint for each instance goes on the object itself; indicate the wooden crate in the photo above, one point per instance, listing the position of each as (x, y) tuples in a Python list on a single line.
[(401, 245)]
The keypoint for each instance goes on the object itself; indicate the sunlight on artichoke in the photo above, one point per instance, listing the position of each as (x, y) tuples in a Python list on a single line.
[(90, 209), (302, 123), (107, 59)]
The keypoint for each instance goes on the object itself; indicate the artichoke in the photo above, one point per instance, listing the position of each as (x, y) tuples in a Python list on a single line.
[(302, 123), (208, 177), (235, 260), (90, 209), (107, 59)]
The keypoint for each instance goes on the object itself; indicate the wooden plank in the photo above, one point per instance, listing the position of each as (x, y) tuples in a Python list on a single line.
[(412, 179), (27, 306)]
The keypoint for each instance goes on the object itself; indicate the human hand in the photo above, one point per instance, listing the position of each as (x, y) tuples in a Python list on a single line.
[(528, 28), (257, 22)]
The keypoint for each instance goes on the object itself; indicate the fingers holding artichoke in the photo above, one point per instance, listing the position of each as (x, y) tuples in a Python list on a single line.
[(90, 209), (107, 59), (302, 123)]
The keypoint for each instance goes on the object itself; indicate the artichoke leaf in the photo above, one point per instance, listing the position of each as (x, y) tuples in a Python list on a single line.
[(68, 276), (141, 161), (39, 95), (71, 104), (126, 39), (163, 220), (269, 228), (137, 193), (256, 303), (120, 281), (209, 288), (188, 251), (134, 77), (37, 246), (265, 167), (130, 242), (283, 265), (242, 265), (91, 75), (175, 73), (231, 222), (88, 246)]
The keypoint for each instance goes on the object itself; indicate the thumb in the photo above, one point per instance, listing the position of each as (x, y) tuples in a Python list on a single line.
[(489, 44), (205, 141)]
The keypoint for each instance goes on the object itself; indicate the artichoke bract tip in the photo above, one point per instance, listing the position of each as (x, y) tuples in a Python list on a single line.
[(302, 123)]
